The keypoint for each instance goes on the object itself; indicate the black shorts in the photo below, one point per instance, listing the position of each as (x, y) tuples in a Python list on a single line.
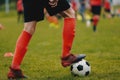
[(96, 10), (34, 9)]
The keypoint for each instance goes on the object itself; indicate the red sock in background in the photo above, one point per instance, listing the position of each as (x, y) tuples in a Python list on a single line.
[(95, 20), (20, 50), (68, 35), (52, 19)]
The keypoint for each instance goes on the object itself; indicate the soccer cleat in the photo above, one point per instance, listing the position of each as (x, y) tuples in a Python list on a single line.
[(15, 74), (70, 59)]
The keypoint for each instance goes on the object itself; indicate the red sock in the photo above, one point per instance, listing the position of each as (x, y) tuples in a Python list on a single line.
[(20, 50), (95, 20), (68, 35)]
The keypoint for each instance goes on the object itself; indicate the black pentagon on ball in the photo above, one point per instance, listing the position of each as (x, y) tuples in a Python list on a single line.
[(87, 73), (71, 67), (80, 67), (87, 64)]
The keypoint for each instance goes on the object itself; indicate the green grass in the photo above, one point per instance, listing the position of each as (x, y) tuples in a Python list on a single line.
[(42, 61)]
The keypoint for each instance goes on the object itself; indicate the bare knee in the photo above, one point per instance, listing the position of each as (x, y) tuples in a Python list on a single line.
[(69, 13), (30, 27)]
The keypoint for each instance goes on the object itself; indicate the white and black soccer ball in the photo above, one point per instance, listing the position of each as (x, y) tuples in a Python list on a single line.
[(81, 68)]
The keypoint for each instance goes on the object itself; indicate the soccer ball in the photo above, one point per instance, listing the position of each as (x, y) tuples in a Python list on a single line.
[(81, 68)]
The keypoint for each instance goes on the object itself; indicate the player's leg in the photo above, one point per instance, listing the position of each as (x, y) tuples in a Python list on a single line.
[(20, 50), (31, 16), (68, 31), (96, 10), (82, 12), (68, 37), (18, 18), (108, 14), (95, 22), (21, 16)]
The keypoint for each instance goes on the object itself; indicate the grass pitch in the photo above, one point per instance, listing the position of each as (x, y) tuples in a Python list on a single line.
[(42, 61)]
